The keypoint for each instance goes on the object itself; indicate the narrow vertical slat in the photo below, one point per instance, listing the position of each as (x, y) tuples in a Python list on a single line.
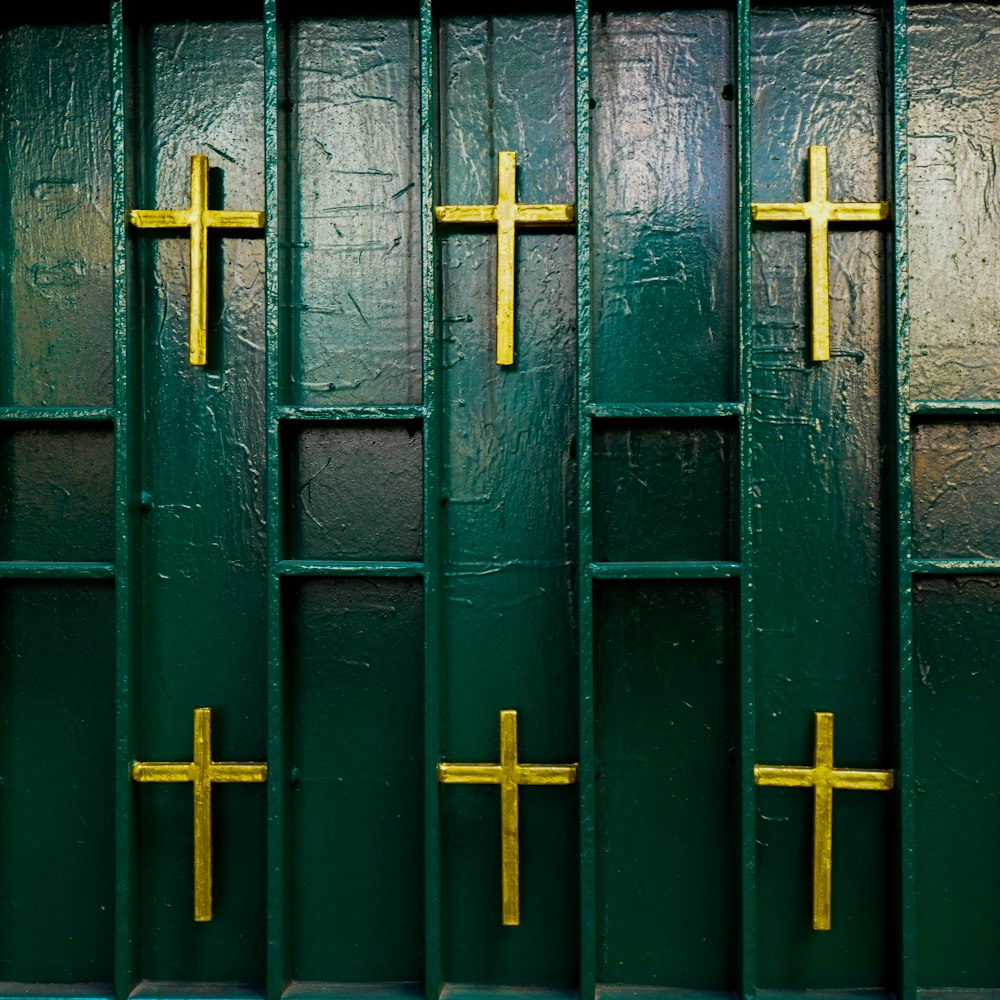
[(126, 489), (433, 970), (897, 56), (585, 547), (748, 848), (276, 785)]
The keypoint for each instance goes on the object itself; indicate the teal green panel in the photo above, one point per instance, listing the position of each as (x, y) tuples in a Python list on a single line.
[(956, 482), (664, 491), (509, 481), (954, 226), (56, 766), (664, 206), (666, 685), (355, 716), (822, 624), (55, 226), (200, 90), (57, 493), (355, 490), (956, 699), (351, 267)]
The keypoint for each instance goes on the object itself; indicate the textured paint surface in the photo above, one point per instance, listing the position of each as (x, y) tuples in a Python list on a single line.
[(819, 611), (355, 677), (350, 236), (956, 489), (956, 693), (199, 88), (55, 176), (56, 493), (663, 223), (955, 199), (56, 761), (508, 475), (675, 479), (355, 491), (666, 665)]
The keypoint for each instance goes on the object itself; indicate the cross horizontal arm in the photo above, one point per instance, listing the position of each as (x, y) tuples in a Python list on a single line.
[(469, 774), (779, 211), (237, 772), (540, 215), (784, 777), (168, 772), (545, 774), (154, 218), (466, 213), (859, 211), (225, 219), (866, 781)]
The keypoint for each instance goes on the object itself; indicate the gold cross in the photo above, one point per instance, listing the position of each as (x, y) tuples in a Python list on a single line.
[(819, 212), (506, 213), (199, 218), (823, 778), (508, 774), (202, 771)]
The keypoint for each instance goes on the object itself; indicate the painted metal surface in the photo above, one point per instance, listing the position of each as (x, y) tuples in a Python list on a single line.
[(663, 537)]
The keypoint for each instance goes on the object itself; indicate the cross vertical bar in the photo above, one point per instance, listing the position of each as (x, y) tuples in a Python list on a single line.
[(899, 388), (819, 255), (506, 196), (202, 815), (126, 487), (510, 841), (585, 528), (198, 321), (747, 870), (823, 824), (277, 789), (432, 547)]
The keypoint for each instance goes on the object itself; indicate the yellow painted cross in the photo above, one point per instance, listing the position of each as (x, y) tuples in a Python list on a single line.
[(506, 214), (819, 212), (201, 772), (823, 778), (199, 218), (509, 774)]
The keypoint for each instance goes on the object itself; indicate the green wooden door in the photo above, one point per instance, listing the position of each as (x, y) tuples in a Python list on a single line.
[(665, 536)]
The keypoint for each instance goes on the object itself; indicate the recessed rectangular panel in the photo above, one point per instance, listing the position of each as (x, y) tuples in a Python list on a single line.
[(954, 222), (355, 715), (956, 699), (664, 204), (354, 490), (664, 490), (666, 690), (57, 755), (351, 184), (55, 223), (956, 485), (57, 493)]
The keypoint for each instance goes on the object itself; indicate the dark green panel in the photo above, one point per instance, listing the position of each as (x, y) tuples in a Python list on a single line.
[(509, 481), (820, 616), (664, 491), (352, 264), (956, 698), (56, 493), (666, 684), (200, 90), (55, 226), (56, 775), (355, 490), (355, 715), (956, 480), (954, 224), (663, 222)]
